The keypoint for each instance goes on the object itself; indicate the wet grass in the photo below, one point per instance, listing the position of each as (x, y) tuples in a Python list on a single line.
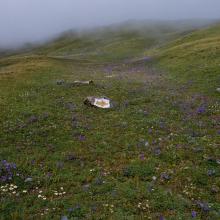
[(155, 155)]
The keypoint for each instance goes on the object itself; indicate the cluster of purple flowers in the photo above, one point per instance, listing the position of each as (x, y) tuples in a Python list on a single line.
[(7, 171), (201, 110)]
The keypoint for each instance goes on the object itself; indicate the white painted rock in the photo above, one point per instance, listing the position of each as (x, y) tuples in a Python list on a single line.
[(98, 102), (77, 82)]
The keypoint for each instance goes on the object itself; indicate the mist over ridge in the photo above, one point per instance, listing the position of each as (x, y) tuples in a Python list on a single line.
[(30, 21)]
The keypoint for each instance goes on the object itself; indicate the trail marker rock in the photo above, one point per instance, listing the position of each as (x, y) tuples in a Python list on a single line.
[(98, 102), (78, 83), (110, 76)]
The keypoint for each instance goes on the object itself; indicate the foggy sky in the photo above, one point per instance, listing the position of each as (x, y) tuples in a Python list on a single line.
[(32, 20)]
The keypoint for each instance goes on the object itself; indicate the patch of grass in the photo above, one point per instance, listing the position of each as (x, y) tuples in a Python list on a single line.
[(195, 58)]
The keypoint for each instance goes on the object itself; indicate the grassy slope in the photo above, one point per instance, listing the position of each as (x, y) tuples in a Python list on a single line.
[(195, 57), (100, 157), (115, 43)]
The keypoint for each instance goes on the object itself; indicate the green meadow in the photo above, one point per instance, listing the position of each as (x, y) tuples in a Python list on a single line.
[(154, 155)]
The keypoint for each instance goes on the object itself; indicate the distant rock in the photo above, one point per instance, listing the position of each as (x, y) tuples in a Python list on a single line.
[(29, 179), (215, 189), (165, 176), (157, 151), (78, 83), (71, 157), (211, 172)]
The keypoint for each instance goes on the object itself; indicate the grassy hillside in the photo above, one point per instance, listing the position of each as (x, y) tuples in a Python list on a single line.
[(195, 58), (117, 42), (154, 155)]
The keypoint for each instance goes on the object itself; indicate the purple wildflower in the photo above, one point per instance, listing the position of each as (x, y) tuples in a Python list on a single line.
[(201, 110), (82, 137), (142, 157), (3, 178), (193, 214), (7, 170), (161, 218)]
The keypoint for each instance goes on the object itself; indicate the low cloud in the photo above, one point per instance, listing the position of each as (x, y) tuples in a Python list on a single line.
[(34, 20)]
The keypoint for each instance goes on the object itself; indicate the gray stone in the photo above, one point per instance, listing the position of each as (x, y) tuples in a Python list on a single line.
[(70, 106), (32, 119), (79, 83), (60, 82), (29, 179)]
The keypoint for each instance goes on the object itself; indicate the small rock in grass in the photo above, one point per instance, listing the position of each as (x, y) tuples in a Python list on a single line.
[(78, 83), (60, 165), (70, 106), (143, 143), (218, 89), (203, 206), (101, 102), (215, 190), (165, 176), (157, 151), (154, 178), (210, 159), (99, 181), (198, 149), (211, 172), (71, 157), (32, 119), (29, 179), (146, 144), (51, 148), (74, 122), (86, 187), (150, 188), (126, 104), (60, 82)]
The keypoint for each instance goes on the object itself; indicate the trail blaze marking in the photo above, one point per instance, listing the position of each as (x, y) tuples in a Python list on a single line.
[(102, 103)]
